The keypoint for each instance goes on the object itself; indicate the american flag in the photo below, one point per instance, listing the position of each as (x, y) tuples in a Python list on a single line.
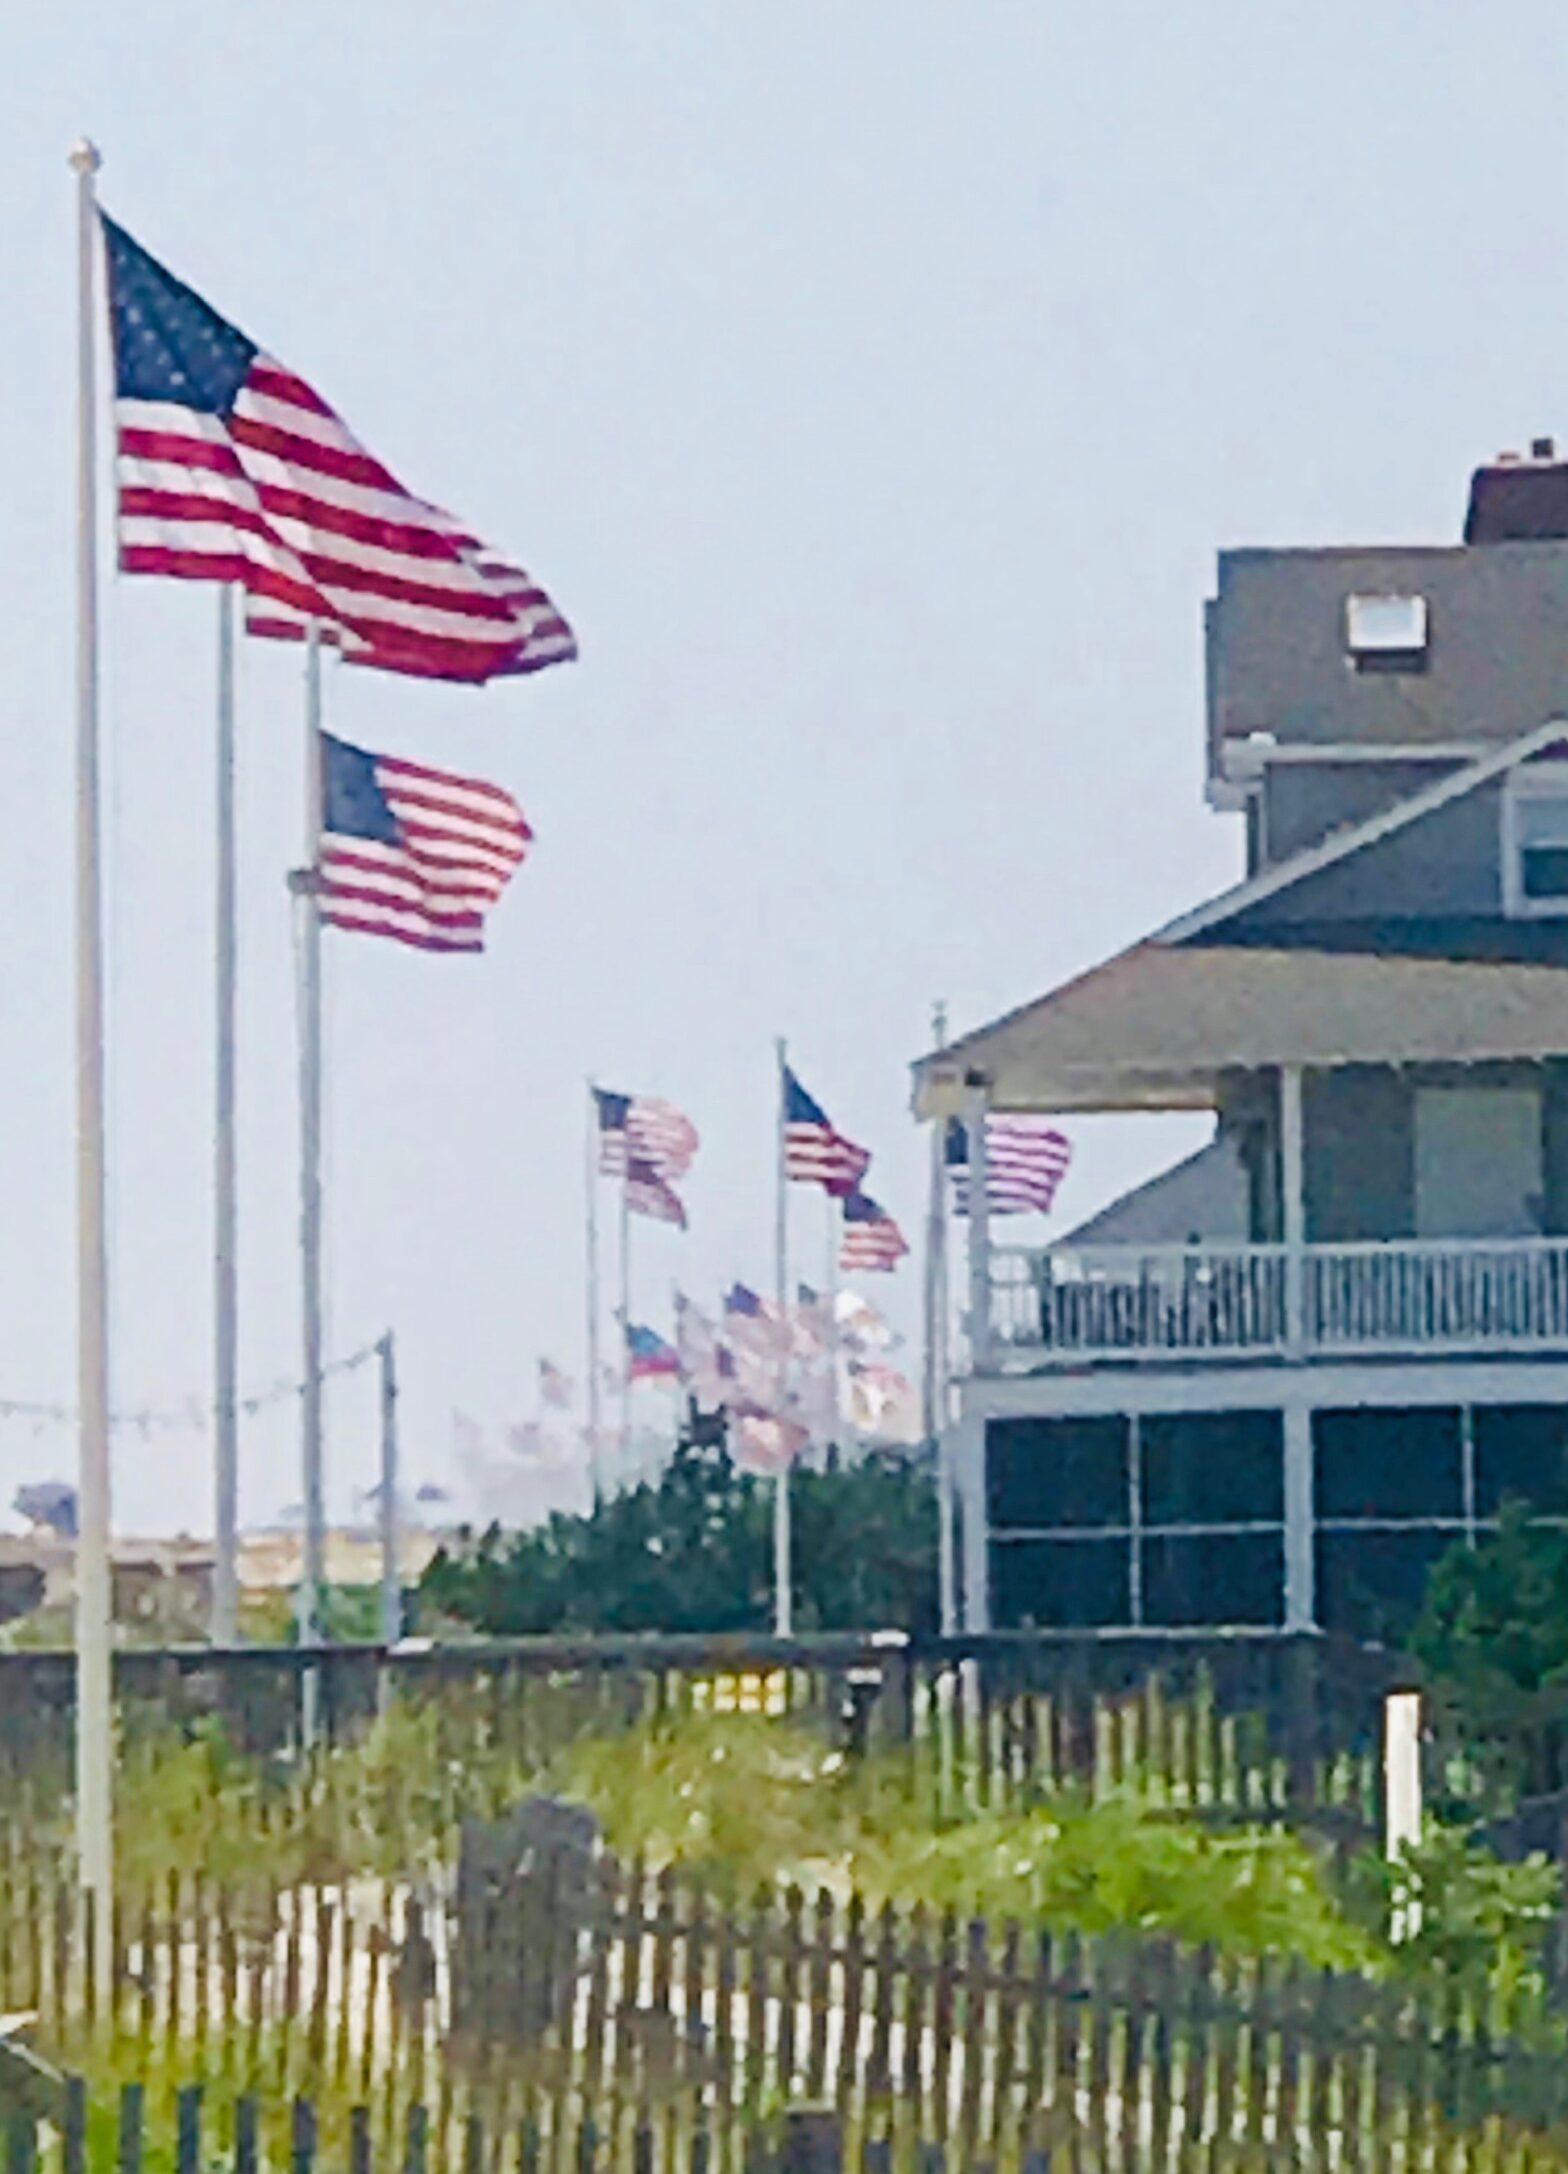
[(555, 1386), (648, 1194), (647, 1127), (764, 1441), (815, 1151), (1026, 1160), (412, 853), (231, 468), (871, 1240), (648, 1356)]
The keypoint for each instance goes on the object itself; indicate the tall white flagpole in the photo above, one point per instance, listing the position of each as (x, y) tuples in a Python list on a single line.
[(783, 1599), (938, 1429), (595, 1401), (225, 1288), (307, 889), (832, 1404), (94, 1592), (626, 1322), (391, 1569)]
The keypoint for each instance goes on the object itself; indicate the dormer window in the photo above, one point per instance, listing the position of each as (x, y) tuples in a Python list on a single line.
[(1386, 633), (1535, 842)]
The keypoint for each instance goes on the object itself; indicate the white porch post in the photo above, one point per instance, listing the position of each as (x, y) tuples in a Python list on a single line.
[(1300, 1564), (969, 1448), (1293, 1221), (979, 1227)]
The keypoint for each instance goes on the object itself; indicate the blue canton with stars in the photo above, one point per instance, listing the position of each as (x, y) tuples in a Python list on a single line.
[(169, 344), (353, 804)]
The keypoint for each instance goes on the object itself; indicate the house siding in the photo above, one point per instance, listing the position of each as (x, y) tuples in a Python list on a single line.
[(1304, 802), (1358, 1138)]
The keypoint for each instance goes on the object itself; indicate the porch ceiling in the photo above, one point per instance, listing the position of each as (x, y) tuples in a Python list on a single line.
[(1157, 1027)]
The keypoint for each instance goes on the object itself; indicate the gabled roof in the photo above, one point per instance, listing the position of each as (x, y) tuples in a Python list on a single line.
[(1339, 845)]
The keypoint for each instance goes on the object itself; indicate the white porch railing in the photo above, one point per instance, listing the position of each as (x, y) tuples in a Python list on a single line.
[(1401, 1295)]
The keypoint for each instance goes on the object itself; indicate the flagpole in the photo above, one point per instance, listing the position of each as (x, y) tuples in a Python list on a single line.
[(626, 1319), (591, 1177), (783, 1599), (225, 1294), (831, 1402), (391, 1569), (937, 1428), (306, 889), (94, 1593)]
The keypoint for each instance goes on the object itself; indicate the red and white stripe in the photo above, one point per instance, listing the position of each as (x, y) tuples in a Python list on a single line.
[(461, 840), (871, 1248), (817, 1155), (281, 498), (655, 1132), (1026, 1160)]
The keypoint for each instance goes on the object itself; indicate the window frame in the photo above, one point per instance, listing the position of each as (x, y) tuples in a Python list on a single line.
[(1365, 655), (1518, 787)]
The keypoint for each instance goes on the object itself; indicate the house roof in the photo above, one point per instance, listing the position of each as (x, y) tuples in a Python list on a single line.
[(1159, 1025)]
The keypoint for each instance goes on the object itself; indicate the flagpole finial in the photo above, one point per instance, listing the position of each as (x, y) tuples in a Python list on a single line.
[(85, 156)]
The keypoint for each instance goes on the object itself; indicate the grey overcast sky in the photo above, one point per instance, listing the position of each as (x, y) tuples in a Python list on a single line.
[(872, 385)]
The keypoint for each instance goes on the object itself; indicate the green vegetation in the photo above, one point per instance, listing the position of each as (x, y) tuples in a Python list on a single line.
[(691, 1552)]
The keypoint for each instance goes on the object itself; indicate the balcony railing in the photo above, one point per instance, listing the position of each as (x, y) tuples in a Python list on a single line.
[(1060, 1305)]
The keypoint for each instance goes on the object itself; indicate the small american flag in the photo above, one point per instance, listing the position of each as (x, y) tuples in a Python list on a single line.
[(1026, 1160), (647, 1193), (555, 1386), (231, 468), (412, 853), (647, 1127), (649, 1357), (763, 1441), (871, 1239), (815, 1151)]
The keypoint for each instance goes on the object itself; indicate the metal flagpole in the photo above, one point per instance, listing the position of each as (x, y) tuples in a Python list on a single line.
[(937, 1427), (783, 1603), (94, 1595), (831, 1403), (225, 1298), (306, 889), (391, 1570), (626, 1322), (595, 1411)]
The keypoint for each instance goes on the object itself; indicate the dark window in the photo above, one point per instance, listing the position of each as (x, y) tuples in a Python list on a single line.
[(1056, 1472), (1212, 1468), (1371, 1583), (1521, 1449), (1057, 1584), (1388, 1464), (1544, 871), (1214, 1578)]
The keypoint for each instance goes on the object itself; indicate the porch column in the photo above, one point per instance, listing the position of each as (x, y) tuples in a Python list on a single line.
[(1300, 1562), (975, 1102), (1293, 1217), (970, 1458)]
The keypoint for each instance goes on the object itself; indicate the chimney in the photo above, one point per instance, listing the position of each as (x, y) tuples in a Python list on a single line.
[(1516, 500)]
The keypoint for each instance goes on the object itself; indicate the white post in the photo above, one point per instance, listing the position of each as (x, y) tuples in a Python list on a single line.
[(834, 1404), (313, 1566), (1300, 1517), (938, 1431), (94, 1585), (979, 1230), (977, 1534), (391, 1569), (783, 1552), (1402, 1797), (1292, 1187), (595, 1403), (225, 1288)]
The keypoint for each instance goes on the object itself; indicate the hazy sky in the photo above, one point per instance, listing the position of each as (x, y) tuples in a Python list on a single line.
[(872, 386)]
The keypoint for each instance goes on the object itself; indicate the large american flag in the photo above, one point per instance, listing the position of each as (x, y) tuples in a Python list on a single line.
[(645, 1127), (412, 853), (1026, 1160), (815, 1151), (231, 468), (870, 1238)]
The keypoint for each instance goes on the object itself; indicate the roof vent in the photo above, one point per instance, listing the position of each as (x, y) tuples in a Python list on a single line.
[(1520, 498)]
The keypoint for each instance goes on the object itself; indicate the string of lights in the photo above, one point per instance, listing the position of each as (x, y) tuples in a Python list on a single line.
[(193, 1414)]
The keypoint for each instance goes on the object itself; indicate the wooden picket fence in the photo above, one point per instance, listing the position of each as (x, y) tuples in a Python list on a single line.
[(640, 2024)]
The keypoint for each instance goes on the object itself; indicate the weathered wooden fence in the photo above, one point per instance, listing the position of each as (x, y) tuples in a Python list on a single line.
[(638, 2023)]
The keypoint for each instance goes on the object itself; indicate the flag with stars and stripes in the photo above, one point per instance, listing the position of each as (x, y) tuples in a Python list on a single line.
[(231, 468), (815, 1151), (649, 1194), (652, 1130), (412, 853), (1026, 1159), (870, 1239), (649, 1357)]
